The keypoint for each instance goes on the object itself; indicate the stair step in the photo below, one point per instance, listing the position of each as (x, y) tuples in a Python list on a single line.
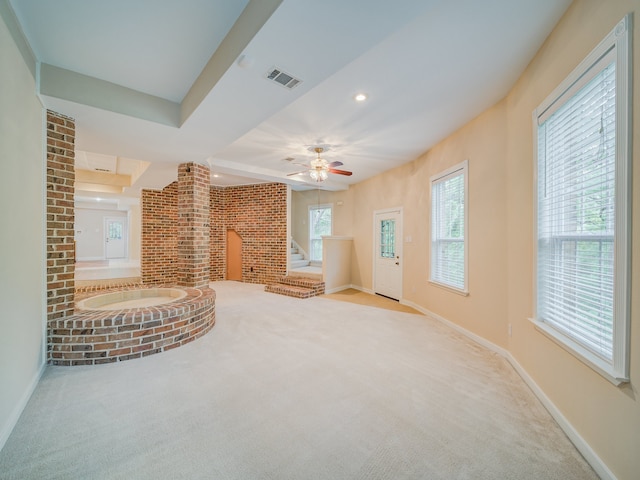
[(289, 290), (296, 256), (306, 274), (298, 287), (299, 263)]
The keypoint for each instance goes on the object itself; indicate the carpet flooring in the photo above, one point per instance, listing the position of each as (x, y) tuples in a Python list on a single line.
[(283, 388)]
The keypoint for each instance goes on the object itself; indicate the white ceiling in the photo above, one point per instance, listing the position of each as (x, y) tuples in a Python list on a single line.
[(427, 66)]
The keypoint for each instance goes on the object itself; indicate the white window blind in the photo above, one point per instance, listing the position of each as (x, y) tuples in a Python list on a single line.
[(448, 228), (576, 215), (582, 226)]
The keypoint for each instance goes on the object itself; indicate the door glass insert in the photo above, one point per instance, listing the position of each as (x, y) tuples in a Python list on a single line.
[(388, 238), (115, 230)]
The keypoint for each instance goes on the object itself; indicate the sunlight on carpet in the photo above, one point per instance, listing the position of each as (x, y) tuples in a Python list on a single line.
[(358, 297)]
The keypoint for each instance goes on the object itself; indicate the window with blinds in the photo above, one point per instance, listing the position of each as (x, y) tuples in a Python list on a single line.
[(582, 220), (449, 227)]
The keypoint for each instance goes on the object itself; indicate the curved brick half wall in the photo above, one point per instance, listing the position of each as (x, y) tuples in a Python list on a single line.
[(104, 336)]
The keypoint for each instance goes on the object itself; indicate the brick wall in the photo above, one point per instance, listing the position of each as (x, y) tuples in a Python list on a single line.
[(193, 225), (217, 239), (60, 216), (159, 244), (258, 213)]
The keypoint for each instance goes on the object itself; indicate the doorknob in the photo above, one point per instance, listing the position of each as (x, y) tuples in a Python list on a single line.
[(397, 263)]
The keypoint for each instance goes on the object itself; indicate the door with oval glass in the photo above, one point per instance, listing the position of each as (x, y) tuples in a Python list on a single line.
[(387, 265)]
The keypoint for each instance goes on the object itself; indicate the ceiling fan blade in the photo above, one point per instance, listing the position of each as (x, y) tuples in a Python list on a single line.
[(296, 173), (340, 172), (335, 164)]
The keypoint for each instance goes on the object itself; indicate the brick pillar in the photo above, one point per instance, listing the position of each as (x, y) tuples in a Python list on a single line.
[(60, 215), (193, 225), (159, 255)]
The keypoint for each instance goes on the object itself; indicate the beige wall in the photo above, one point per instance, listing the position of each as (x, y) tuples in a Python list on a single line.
[(499, 147), (22, 261), (607, 417), (482, 143), (300, 203)]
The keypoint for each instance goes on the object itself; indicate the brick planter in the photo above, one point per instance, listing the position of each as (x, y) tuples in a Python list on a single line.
[(90, 337)]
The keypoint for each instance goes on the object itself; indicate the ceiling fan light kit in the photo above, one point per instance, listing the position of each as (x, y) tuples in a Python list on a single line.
[(318, 175), (319, 168)]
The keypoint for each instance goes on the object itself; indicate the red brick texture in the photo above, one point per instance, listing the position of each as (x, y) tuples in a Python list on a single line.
[(218, 235), (193, 225), (159, 243), (97, 336), (298, 287), (258, 213), (60, 217)]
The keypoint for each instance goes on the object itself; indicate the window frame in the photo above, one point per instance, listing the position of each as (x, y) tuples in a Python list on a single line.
[(617, 41), (455, 170), (328, 206)]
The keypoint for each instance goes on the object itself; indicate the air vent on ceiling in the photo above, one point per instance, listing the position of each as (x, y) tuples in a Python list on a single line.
[(282, 78), (102, 170)]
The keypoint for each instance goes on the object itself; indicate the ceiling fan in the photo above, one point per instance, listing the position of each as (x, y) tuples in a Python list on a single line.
[(319, 169)]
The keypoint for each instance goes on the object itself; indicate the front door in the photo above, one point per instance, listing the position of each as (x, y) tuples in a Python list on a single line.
[(388, 262), (116, 237)]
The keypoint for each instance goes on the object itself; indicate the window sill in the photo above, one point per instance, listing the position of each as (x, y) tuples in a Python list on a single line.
[(591, 360), (464, 293)]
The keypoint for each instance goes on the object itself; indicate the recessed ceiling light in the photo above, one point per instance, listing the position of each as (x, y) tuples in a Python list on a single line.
[(360, 97), (215, 175)]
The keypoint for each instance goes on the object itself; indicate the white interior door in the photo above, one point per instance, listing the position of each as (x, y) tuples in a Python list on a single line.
[(388, 253), (115, 237)]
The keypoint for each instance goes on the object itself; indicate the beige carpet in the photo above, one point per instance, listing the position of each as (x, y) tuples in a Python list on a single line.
[(283, 388)]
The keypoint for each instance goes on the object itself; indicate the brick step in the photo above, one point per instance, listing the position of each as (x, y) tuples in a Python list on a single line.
[(297, 287), (289, 290)]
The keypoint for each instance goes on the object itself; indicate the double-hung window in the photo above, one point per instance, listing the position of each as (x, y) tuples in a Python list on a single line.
[(449, 228), (583, 209), (320, 224)]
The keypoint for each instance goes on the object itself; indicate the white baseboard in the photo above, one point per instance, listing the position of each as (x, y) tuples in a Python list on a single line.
[(362, 289), (583, 447), (8, 427), (337, 289)]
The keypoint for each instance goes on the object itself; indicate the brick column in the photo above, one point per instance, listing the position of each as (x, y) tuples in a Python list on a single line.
[(193, 225), (159, 252), (60, 215)]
